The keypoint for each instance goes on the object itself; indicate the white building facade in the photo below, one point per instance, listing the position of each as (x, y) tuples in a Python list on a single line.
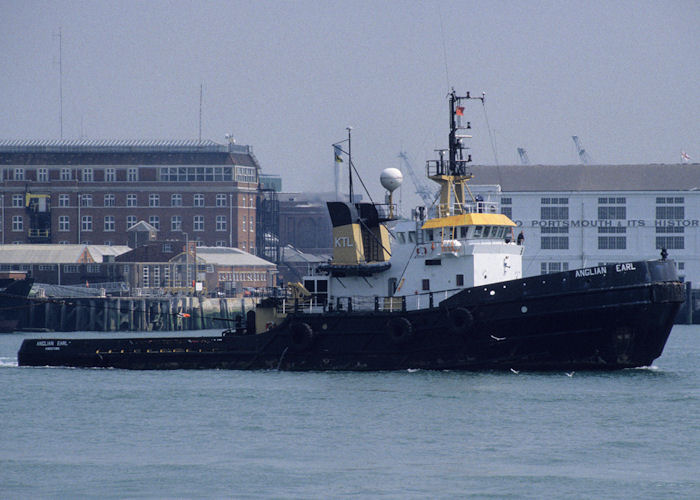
[(583, 215)]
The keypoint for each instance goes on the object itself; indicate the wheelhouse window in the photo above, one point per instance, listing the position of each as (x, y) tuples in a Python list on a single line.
[(426, 285)]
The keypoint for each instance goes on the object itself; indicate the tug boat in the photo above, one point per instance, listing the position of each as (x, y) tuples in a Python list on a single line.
[(441, 291)]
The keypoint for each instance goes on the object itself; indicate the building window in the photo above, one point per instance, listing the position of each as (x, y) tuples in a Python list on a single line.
[(42, 175), (132, 174), (553, 267), (198, 223), (153, 200), (19, 174), (63, 223), (670, 212), (109, 200), (63, 200), (220, 243), (130, 221), (93, 268), (220, 200), (154, 221), (110, 175), (554, 230), (176, 200), (70, 268), (17, 201), (66, 174), (176, 223), (131, 200), (86, 223), (549, 212), (109, 223), (554, 242), (190, 174), (221, 223), (612, 242), (17, 223), (145, 277), (87, 175), (670, 242), (245, 174), (198, 200), (669, 229), (167, 248), (612, 230), (243, 224), (85, 200), (612, 208)]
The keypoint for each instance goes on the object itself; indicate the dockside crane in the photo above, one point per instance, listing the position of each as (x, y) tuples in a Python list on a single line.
[(524, 159), (426, 194), (583, 156)]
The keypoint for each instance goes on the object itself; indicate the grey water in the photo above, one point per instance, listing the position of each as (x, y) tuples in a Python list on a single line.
[(83, 433)]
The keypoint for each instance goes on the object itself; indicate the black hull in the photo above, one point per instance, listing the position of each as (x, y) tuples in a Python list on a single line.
[(13, 302), (602, 318)]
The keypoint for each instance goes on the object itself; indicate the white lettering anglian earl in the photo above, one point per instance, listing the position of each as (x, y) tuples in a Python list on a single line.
[(592, 271)]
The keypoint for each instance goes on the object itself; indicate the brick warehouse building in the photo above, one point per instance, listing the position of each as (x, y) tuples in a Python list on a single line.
[(91, 192)]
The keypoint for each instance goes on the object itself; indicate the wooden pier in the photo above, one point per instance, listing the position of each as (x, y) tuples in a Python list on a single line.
[(112, 314)]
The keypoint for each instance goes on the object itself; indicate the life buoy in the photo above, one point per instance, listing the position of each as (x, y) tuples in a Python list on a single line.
[(461, 320), (302, 336), (400, 330)]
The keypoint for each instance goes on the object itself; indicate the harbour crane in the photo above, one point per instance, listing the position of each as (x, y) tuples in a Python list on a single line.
[(426, 194), (524, 159), (583, 156)]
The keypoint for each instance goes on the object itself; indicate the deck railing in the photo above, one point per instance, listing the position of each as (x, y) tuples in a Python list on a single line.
[(316, 304)]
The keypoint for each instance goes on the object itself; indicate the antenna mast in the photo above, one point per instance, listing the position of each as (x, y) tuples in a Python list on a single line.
[(349, 129), (200, 112), (60, 80)]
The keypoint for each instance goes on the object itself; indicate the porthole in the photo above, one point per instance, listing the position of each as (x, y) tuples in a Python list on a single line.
[(523, 309)]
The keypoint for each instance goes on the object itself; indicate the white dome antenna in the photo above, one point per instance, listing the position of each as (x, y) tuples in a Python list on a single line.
[(391, 179)]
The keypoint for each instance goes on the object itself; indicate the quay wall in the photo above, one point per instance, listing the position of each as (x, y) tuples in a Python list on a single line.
[(113, 314)]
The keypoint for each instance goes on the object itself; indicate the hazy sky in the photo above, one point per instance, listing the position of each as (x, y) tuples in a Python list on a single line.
[(289, 77)]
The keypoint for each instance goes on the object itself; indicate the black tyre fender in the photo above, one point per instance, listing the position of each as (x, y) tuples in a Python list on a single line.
[(461, 320), (400, 330), (302, 336)]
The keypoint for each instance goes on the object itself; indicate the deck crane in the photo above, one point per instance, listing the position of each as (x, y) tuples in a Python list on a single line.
[(426, 194), (585, 158), (524, 159)]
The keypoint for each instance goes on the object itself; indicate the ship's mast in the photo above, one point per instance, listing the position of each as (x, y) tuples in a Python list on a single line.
[(452, 174)]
